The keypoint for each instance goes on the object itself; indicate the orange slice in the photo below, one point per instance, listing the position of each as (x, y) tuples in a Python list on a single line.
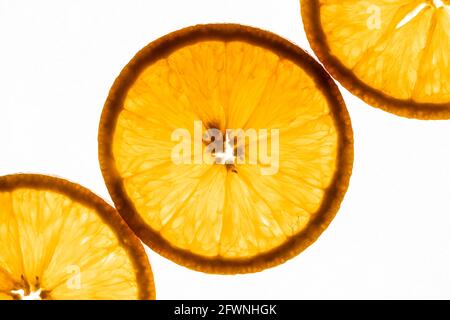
[(60, 241), (231, 210), (395, 55)]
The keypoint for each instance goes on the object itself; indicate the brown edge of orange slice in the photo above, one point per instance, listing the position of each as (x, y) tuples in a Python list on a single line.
[(310, 11), (79, 194), (162, 47)]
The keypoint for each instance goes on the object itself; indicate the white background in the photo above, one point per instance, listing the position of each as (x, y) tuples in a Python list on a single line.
[(391, 238)]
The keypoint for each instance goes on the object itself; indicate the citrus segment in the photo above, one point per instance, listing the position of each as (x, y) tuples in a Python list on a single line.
[(239, 214), (393, 54), (59, 241)]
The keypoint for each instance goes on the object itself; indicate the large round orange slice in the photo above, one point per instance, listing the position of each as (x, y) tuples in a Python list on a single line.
[(394, 54), (281, 158), (60, 241)]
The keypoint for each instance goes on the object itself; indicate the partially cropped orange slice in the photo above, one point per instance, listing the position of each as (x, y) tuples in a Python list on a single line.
[(240, 212), (60, 241), (393, 54)]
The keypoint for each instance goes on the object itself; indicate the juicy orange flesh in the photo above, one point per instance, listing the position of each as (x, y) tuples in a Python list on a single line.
[(50, 243), (209, 209), (400, 47)]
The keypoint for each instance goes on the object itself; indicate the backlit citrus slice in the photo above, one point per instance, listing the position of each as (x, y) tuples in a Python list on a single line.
[(244, 211), (394, 54), (60, 241)]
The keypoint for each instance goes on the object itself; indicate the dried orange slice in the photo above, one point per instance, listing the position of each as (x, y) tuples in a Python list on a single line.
[(395, 54), (60, 241), (236, 213)]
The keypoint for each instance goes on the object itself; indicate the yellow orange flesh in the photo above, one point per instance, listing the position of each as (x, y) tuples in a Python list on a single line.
[(207, 209), (399, 47), (51, 243)]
